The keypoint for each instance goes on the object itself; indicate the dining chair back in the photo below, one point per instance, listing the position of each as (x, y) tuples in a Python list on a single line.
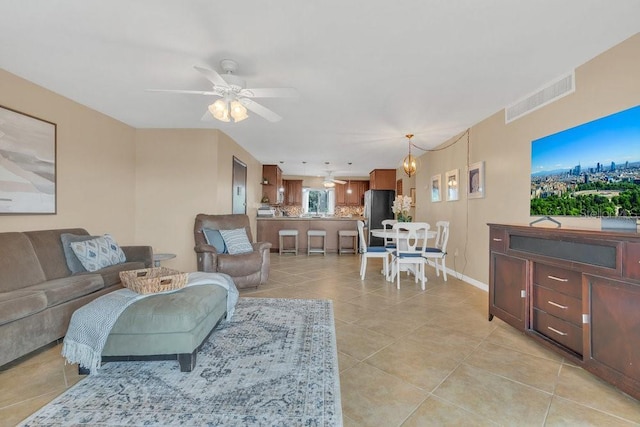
[(389, 242), (367, 252), (438, 252), (411, 238)]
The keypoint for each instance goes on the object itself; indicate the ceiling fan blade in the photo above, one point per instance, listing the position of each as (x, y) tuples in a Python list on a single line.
[(192, 92), (339, 181), (207, 116), (270, 92), (260, 110), (212, 76)]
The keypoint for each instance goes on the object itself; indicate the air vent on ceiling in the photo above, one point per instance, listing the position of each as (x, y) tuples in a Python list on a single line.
[(550, 93)]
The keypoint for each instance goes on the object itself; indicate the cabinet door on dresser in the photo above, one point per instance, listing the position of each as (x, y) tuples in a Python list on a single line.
[(507, 289), (612, 331)]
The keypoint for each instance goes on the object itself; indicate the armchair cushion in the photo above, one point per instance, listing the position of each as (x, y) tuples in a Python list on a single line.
[(236, 241), (214, 238)]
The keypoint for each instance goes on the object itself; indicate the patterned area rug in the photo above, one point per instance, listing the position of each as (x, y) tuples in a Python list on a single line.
[(274, 364)]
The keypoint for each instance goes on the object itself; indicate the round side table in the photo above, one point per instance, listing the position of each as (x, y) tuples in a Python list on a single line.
[(157, 258)]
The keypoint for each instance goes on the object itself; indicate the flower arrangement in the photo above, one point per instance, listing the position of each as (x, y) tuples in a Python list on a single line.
[(401, 206)]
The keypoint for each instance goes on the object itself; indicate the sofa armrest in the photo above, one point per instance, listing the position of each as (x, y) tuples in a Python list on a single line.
[(207, 257), (139, 253)]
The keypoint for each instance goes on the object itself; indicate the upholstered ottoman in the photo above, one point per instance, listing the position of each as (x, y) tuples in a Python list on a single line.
[(167, 326)]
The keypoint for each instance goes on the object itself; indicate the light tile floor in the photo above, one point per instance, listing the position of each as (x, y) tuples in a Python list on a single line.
[(407, 357)]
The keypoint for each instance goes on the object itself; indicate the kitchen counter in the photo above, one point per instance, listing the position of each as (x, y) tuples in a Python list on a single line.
[(268, 228), (311, 218)]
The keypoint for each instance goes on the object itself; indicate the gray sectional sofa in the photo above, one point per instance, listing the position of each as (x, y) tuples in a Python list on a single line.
[(39, 293)]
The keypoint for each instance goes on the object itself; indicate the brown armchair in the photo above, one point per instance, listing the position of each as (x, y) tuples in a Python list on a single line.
[(247, 270)]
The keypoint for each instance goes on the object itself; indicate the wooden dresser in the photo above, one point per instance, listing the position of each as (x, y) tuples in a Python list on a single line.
[(575, 291)]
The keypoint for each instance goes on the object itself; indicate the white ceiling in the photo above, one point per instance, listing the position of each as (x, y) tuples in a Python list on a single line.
[(368, 71)]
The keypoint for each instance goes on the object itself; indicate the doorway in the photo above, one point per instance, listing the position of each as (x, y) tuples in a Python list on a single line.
[(239, 190)]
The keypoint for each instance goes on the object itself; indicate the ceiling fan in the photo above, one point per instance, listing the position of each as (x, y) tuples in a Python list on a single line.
[(235, 97), (330, 181)]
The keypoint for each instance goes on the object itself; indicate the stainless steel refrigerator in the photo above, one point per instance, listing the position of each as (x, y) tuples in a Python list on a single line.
[(377, 208)]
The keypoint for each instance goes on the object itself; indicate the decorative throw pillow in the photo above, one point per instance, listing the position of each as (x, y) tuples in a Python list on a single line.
[(98, 253), (73, 262), (237, 241), (214, 238)]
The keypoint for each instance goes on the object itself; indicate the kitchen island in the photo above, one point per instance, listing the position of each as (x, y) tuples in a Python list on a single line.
[(268, 229)]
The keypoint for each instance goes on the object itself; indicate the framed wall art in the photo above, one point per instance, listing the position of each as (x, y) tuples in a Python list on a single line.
[(475, 181), (436, 185), (452, 183), (27, 164), (412, 194)]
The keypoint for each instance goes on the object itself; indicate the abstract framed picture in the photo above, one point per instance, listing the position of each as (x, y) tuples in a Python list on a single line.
[(452, 183), (27, 164), (436, 185), (475, 181)]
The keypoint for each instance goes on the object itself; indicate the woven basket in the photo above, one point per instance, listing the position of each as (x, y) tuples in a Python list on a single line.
[(152, 280)]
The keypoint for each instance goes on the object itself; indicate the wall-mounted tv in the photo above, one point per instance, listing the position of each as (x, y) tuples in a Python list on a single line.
[(591, 170)]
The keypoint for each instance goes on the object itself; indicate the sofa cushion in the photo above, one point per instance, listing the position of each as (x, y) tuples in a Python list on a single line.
[(69, 288), (15, 305), (74, 264), (240, 265), (48, 247), (214, 238), (19, 266), (98, 253), (236, 241)]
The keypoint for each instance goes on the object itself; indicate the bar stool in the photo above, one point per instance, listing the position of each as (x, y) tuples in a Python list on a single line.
[(353, 234), (317, 233), (287, 233)]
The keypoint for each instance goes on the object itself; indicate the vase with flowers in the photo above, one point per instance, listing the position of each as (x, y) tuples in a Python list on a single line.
[(401, 206)]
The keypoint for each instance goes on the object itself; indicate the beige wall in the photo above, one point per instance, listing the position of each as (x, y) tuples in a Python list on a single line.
[(179, 174), (607, 84), (95, 164)]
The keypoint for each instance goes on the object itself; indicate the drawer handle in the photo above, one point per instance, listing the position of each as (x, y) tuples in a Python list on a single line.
[(495, 239), (556, 331), (559, 279), (564, 307)]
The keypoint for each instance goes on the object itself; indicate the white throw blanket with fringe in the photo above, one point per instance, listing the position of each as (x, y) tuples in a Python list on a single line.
[(91, 324)]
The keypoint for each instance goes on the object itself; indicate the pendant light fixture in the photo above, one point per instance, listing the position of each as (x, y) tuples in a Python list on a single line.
[(349, 191), (410, 164)]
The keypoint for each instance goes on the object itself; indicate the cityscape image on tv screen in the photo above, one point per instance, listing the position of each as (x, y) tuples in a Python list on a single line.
[(591, 170)]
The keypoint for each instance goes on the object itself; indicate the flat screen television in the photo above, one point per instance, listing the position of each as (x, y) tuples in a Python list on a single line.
[(591, 170)]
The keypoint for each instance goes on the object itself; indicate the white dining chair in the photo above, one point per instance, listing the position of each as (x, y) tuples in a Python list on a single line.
[(387, 225), (367, 252), (438, 253), (411, 244)]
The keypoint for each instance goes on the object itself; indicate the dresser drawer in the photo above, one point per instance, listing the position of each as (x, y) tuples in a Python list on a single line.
[(558, 330), (558, 304), (497, 240), (559, 279)]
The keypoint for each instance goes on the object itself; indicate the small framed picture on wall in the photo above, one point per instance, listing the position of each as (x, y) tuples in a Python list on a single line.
[(452, 183), (436, 185), (475, 183)]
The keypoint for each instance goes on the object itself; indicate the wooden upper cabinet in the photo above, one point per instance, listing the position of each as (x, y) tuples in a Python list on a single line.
[(355, 198), (292, 192), (382, 179), (271, 190)]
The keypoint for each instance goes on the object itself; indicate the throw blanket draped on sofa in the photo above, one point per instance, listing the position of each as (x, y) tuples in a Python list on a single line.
[(91, 324)]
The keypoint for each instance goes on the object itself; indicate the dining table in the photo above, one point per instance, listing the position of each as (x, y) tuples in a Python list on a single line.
[(393, 234)]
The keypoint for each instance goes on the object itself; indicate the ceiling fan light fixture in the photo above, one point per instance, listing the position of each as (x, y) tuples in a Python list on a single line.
[(238, 111), (219, 110), (329, 184)]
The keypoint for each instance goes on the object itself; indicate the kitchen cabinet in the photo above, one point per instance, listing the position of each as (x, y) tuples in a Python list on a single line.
[(292, 192), (574, 291), (382, 179), (271, 190), (355, 198)]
